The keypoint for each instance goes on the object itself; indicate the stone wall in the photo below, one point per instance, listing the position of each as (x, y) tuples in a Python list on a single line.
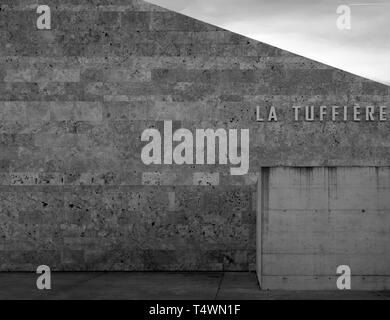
[(75, 100)]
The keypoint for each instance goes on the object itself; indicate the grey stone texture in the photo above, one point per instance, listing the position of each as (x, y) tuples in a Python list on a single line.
[(74, 101)]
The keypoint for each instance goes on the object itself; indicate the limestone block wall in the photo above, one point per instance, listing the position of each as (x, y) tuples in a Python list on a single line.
[(74, 101)]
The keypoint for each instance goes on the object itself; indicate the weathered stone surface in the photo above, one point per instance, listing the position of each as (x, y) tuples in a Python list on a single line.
[(75, 100)]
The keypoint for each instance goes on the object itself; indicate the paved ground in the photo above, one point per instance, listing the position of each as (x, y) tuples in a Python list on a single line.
[(157, 286)]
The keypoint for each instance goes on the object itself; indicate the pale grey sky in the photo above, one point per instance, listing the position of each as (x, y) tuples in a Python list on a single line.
[(306, 27)]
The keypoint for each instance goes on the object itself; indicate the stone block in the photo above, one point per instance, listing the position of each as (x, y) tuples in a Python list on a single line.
[(206, 179)]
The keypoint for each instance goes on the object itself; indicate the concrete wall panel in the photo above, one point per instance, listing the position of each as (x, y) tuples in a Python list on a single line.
[(316, 219)]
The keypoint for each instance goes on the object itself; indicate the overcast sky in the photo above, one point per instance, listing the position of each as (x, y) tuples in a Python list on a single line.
[(306, 27)]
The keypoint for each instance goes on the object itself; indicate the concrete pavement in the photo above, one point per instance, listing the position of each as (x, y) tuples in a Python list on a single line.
[(158, 286)]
